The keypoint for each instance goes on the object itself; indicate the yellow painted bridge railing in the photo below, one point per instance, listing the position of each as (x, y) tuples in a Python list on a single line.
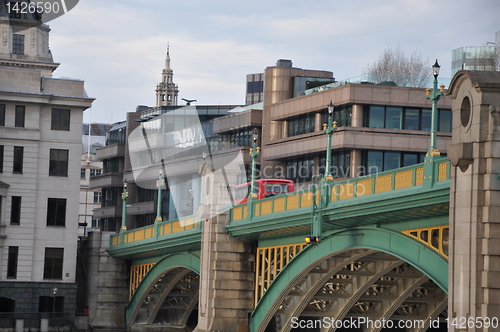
[(400, 178), (155, 230)]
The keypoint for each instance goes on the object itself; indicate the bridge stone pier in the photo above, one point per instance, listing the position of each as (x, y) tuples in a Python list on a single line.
[(227, 264), (474, 262)]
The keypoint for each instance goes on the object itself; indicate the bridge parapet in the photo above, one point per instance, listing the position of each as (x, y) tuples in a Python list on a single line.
[(403, 194), (172, 235), (405, 177)]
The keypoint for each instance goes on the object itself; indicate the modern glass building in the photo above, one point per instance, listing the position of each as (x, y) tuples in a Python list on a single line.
[(482, 58)]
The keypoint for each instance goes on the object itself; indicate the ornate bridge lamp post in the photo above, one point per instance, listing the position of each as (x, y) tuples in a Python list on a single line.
[(159, 184), (254, 152), (434, 97), (430, 174), (329, 129), (317, 209), (124, 207)]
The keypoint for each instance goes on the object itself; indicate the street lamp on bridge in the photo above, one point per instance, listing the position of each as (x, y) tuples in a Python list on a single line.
[(159, 184), (329, 129), (254, 152), (434, 97), (124, 207)]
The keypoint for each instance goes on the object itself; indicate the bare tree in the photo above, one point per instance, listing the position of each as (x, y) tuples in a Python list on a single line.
[(486, 59), (395, 66)]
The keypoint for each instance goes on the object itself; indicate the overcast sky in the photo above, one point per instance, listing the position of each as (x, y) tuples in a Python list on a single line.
[(118, 46)]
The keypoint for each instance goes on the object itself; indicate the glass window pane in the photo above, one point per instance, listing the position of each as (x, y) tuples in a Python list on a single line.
[(376, 119), (391, 160), (444, 121), (410, 159), (374, 162), (393, 117), (411, 119), (426, 119)]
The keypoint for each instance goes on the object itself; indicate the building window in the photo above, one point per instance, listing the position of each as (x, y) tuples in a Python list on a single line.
[(113, 165), (111, 195), (108, 224), (405, 118), (17, 44), (60, 119), (341, 164), (1, 158), (300, 170), (20, 115), (301, 124), (56, 212), (97, 197), (95, 223), (12, 262), (18, 160), (82, 173), (2, 115), (58, 165), (241, 138), (375, 161), (94, 172), (53, 266), (15, 210), (341, 114)]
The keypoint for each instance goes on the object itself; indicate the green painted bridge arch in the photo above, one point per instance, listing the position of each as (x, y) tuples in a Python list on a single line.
[(175, 275), (363, 271)]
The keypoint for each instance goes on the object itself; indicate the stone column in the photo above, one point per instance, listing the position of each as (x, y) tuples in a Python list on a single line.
[(474, 263), (356, 163), (357, 115), (107, 286), (318, 126), (227, 265)]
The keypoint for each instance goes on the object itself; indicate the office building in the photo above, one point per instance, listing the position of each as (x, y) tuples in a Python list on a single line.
[(40, 151)]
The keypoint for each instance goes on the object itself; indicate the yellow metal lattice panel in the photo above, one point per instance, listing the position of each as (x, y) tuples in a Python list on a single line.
[(137, 273), (403, 179), (306, 199), (364, 187), (292, 202), (245, 211), (256, 211), (436, 237), (442, 171), (129, 237), (269, 262), (420, 176), (383, 183), (346, 190), (267, 207), (334, 194), (176, 227), (279, 204), (238, 213)]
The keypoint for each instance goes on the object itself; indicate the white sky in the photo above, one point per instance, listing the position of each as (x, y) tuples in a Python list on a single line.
[(118, 46)]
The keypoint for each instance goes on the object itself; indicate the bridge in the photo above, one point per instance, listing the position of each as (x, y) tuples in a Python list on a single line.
[(383, 253), (415, 246)]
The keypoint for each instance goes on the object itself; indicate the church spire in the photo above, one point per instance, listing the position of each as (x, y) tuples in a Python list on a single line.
[(167, 90), (167, 58)]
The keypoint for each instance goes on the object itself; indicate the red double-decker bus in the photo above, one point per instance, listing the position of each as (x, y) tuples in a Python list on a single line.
[(265, 188)]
